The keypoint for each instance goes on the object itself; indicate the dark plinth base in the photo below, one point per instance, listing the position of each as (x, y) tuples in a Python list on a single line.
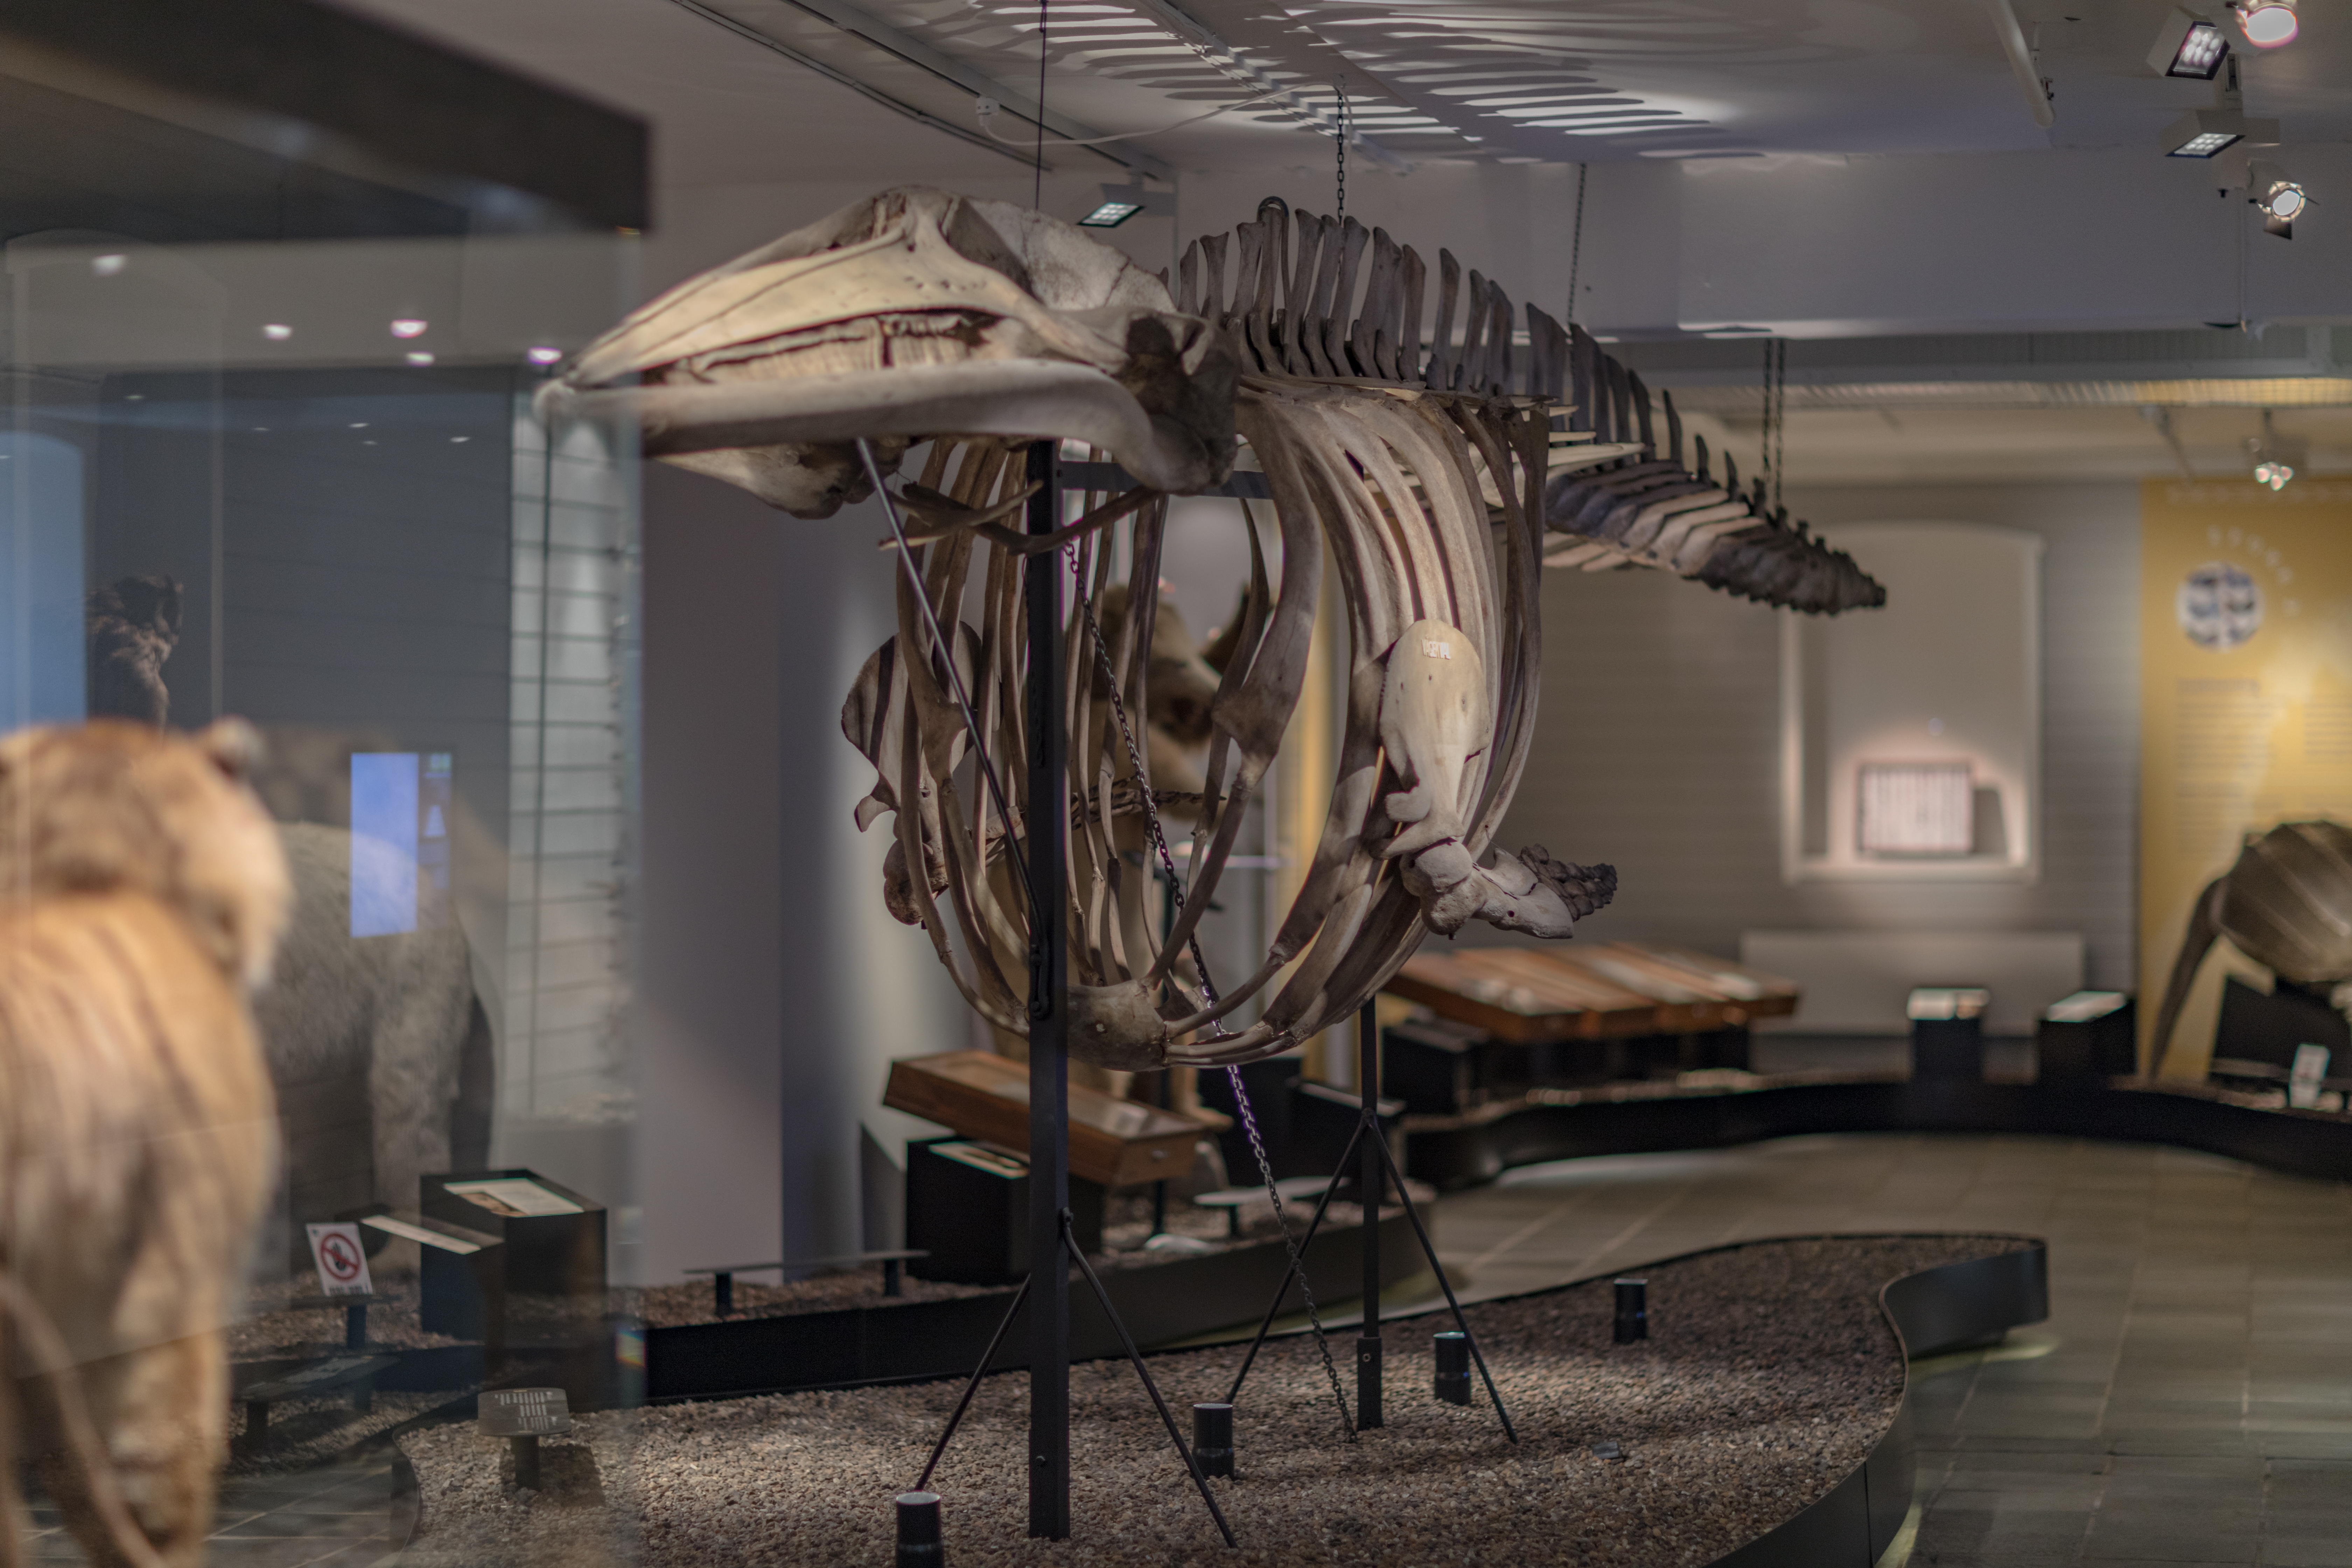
[(1948, 1048), (1461, 1152), (1161, 1302)]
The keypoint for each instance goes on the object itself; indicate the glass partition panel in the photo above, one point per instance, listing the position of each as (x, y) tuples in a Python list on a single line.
[(269, 452)]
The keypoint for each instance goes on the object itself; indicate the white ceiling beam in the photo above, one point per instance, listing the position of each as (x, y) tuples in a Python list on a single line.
[(2021, 61)]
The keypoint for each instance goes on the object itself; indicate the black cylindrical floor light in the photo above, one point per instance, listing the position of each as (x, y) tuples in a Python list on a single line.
[(1453, 1349), (1212, 1438), (920, 1544), (1632, 1310)]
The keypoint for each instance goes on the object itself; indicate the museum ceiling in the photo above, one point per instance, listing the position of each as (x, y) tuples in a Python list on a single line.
[(744, 89)]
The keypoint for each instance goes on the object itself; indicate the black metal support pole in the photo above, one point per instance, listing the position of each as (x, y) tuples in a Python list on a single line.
[(355, 1326), (1370, 1189), (1047, 831)]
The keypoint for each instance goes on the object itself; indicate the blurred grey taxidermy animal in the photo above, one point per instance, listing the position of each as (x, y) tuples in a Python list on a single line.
[(395, 1017), (2286, 904), (380, 1053)]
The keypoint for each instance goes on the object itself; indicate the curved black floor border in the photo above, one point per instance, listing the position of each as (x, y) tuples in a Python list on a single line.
[(1946, 1308), (1939, 1308), (2299, 1143)]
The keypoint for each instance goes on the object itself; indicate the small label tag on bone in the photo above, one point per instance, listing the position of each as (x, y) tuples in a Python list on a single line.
[(1433, 647)]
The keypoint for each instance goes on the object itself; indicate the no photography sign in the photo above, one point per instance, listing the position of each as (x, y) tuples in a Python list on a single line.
[(340, 1259)]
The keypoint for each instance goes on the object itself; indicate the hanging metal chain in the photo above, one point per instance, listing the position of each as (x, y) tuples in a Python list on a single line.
[(1342, 87), (1576, 239), (1037, 188), (1208, 987), (1779, 420), (1771, 437)]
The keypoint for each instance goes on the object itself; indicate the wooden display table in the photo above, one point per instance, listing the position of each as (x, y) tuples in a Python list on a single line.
[(982, 1096), (1527, 995)]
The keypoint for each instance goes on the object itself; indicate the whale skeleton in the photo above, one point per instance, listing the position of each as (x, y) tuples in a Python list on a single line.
[(1643, 507), (805, 371)]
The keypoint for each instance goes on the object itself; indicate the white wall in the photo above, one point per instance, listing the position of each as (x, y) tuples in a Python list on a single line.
[(2059, 240), (776, 987), (1658, 745)]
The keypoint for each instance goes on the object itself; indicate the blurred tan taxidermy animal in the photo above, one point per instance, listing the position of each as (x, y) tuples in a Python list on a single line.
[(804, 372), (142, 893)]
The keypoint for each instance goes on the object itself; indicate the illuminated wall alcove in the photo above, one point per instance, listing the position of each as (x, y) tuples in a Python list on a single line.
[(1948, 673)]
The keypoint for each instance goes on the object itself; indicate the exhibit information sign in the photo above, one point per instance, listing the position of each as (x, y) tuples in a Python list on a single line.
[(2245, 703), (515, 1198), (523, 1413)]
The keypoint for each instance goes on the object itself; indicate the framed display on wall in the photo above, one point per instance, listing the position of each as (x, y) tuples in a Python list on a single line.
[(1910, 736)]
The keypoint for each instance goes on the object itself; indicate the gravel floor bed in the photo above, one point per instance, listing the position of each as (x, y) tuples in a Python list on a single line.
[(1769, 1374), (269, 1330), (304, 1432)]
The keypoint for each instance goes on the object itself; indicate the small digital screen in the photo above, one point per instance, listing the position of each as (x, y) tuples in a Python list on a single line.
[(400, 840)]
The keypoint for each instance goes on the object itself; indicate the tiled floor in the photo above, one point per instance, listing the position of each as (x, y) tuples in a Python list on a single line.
[(2189, 1400), (339, 1517)]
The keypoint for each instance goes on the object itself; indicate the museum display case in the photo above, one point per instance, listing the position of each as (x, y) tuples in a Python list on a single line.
[(272, 491)]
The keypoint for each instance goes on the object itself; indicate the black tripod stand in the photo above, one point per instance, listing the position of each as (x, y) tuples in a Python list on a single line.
[(1068, 1252), (1377, 1167)]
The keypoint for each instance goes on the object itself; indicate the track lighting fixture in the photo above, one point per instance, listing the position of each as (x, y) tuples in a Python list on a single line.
[(2188, 45), (2206, 132), (2280, 199), (2267, 23), (2276, 456)]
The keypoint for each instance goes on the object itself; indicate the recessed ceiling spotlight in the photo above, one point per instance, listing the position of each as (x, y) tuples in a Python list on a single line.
[(1111, 215), (420, 357), (407, 327), (107, 265), (2267, 23), (278, 332), (542, 355), (2189, 46)]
